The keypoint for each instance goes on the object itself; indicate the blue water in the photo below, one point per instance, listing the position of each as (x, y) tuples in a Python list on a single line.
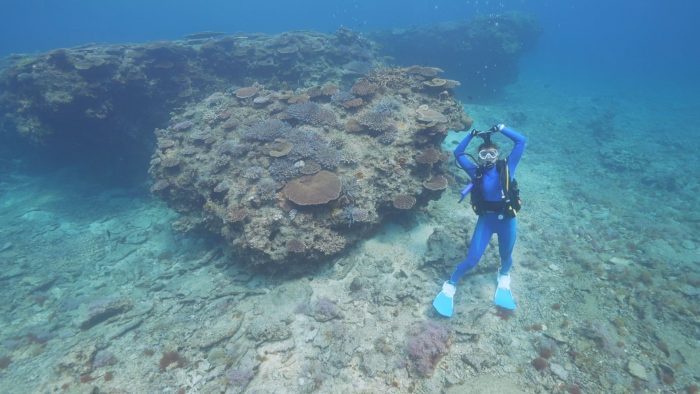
[(590, 227), (632, 39)]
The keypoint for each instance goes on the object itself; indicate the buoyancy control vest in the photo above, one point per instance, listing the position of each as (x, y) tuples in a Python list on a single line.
[(510, 202)]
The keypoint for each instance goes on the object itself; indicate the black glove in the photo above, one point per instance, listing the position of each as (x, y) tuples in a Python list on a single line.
[(474, 132)]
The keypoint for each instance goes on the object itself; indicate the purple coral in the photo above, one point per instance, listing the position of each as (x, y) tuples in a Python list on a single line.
[(388, 105), (324, 310), (341, 97), (311, 145), (266, 131), (283, 170), (230, 148), (387, 137), (355, 215), (377, 121), (311, 113), (240, 377), (182, 126), (267, 189), (253, 173), (103, 358), (427, 343)]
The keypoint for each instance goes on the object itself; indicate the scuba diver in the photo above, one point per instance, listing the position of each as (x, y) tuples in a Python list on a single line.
[(495, 199)]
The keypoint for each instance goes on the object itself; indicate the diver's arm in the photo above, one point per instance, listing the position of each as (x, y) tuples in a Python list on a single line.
[(463, 159), (518, 149)]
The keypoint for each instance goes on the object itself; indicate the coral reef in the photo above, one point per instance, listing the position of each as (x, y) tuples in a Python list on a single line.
[(287, 183), (111, 96), (102, 100)]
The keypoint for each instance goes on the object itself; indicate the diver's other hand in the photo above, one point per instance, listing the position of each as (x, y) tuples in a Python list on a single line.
[(498, 127), (474, 132)]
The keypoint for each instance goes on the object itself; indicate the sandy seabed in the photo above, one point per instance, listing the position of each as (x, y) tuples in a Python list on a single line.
[(101, 294)]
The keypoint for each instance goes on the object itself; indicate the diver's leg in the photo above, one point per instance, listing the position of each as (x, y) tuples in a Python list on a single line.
[(480, 240), (507, 232), (503, 297)]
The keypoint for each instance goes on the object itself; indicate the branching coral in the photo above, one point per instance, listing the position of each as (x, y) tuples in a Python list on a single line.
[(266, 131), (377, 121), (311, 113), (403, 201)]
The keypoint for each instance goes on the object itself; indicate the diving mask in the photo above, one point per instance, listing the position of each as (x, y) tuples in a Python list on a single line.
[(488, 154)]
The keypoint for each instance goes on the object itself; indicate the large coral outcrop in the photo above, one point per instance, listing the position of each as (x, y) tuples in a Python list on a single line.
[(288, 182)]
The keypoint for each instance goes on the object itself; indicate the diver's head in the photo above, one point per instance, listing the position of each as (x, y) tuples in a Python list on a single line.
[(488, 153)]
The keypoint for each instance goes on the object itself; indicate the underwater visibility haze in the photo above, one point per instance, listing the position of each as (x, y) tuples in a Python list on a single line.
[(349, 197)]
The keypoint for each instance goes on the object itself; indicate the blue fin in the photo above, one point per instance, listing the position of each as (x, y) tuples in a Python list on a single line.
[(504, 299), (443, 304)]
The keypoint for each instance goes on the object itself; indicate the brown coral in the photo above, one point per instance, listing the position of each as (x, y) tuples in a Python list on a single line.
[(279, 148), (364, 88), (435, 83), (160, 185), (424, 71), (429, 156), (262, 101), (295, 245), (329, 89), (353, 126), (236, 214), (404, 201), (354, 103), (170, 162), (246, 92), (436, 182), (316, 189), (298, 99), (451, 84), (427, 115), (170, 358), (310, 168)]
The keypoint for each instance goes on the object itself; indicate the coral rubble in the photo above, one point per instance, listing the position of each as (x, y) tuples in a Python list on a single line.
[(290, 181)]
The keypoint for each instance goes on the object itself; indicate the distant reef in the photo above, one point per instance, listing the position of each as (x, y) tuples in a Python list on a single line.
[(483, 52), (109, 98)]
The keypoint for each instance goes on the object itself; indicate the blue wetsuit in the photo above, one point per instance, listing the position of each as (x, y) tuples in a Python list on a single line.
[(489, 223)]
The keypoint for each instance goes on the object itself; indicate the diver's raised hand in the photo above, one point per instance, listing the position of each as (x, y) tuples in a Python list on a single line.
[(498, 127)]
